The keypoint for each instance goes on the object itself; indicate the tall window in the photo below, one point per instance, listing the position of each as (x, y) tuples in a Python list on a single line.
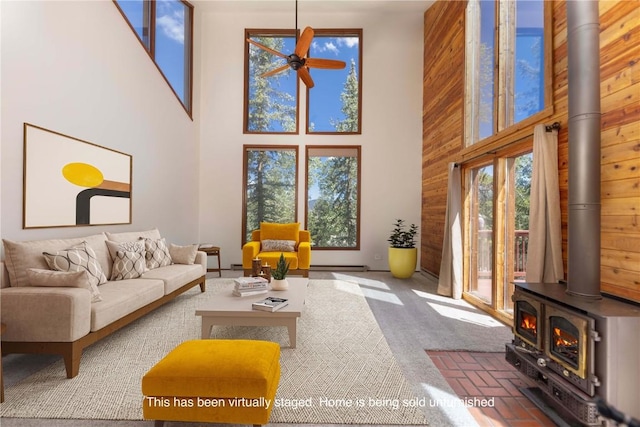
[(334, 107), (165, 29), (481, 232), (270, 186), (497, 233), (270, 103), (508, 70), (333, 196)]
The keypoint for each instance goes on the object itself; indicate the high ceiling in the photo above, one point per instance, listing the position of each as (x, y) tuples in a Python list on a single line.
[(311, 6)]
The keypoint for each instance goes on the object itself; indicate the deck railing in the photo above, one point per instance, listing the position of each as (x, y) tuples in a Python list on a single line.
[(520, 248)]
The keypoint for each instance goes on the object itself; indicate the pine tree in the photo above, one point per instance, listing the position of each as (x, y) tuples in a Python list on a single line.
[(269, 106), (349, 97)]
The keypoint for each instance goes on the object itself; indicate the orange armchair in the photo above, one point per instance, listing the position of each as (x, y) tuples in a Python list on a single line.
[(273, 239)]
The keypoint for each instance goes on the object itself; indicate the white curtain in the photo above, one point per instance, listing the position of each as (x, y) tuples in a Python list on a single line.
[(450, 280), (544, 257)]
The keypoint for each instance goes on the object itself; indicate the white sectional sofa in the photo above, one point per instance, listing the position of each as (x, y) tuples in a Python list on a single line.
[(56, 318)]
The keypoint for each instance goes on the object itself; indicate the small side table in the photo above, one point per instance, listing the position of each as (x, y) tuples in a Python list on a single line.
[(212, 251), (2, 328)]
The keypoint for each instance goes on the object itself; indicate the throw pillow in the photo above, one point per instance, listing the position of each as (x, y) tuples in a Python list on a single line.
[(133, 246), (183, 254), (157, 253), (77, 258), (128, 265), (278, 245), (63, 279)]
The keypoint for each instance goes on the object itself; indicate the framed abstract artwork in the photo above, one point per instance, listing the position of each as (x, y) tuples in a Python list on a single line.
[(69, 182)]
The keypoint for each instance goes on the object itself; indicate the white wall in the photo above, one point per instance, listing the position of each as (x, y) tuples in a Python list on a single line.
[(76, 67), (391, 137)]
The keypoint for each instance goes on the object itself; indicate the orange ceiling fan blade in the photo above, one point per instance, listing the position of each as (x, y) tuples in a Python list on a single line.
[(267, 49), (275, 71), (302, 47), (303, 73), (332, 64)]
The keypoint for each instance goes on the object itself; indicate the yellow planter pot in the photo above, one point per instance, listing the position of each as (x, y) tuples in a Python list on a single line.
[(402, 262)]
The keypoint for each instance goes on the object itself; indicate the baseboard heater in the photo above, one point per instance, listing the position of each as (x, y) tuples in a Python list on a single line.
[(323, 267)]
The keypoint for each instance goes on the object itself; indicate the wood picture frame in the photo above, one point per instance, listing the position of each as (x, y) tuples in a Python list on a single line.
[(68, 182)]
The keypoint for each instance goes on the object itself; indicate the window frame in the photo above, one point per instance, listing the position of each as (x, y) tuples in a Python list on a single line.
[(252, 147), (358, 156), (502, 128), (339, 32), (255, 32), (149, 8), (501, 234)]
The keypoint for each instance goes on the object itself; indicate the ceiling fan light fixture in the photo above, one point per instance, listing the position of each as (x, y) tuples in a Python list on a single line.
[(298, 60)]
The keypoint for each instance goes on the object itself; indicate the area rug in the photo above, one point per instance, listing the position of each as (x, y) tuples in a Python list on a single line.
[(341, 372)]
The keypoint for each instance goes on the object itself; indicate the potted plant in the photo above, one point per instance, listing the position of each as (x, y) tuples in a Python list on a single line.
[(403, 254), (279, 275)]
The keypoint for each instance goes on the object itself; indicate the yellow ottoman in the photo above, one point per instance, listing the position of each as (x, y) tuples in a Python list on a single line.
[(213, 381)]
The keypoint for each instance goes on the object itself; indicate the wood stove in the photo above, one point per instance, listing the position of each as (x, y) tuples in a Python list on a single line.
[(576, 349)]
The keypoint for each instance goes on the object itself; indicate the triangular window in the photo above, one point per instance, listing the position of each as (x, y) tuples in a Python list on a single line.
[(165, 29)]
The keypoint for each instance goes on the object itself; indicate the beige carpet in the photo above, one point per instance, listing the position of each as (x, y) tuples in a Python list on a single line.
[(342, 370)]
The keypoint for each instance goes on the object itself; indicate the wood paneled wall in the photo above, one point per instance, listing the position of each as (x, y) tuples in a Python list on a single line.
[(443, 133)]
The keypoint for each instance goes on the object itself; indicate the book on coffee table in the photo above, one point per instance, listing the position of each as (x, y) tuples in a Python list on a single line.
[(270, 304), (249, 292)]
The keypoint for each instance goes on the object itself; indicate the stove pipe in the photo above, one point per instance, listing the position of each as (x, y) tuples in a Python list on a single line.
[(583, 39)]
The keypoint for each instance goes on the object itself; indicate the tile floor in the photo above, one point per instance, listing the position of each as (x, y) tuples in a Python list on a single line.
[(487, 375)]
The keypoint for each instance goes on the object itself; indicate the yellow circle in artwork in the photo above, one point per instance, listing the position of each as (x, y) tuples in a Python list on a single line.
[(82, 174)]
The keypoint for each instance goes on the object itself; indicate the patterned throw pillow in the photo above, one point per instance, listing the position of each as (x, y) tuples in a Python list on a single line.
[(128, 265), (136, 246), (157, 253), (183, 254), (270, 245), (63, 279), (77, 258), (133, 246)]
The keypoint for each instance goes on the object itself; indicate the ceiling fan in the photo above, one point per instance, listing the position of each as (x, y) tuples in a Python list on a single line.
[(298, 60)]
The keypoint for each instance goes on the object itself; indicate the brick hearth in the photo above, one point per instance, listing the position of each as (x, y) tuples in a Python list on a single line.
[(486, 375)]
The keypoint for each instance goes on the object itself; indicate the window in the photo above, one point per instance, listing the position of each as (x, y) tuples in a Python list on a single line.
[(270, 186), (333, 196), (481, 232), (335, 106), (497, 234), (165, 29), (508, 71), (270, 103)]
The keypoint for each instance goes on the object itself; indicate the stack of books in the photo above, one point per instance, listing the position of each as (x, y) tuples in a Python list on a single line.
[(247, 286)]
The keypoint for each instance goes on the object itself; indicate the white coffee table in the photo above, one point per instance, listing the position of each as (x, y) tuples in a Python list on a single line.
[(229, 310)]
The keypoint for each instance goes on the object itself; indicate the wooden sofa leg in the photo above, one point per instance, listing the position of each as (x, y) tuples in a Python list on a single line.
[(203, 286), (72, 356), (158, 423)]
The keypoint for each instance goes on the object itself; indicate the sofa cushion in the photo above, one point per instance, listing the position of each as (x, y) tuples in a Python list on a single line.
[(63, 279), (123, 297), (157, 253), (273, 231), (77, 258), (128, 265), (183, 254), (129, 236), (176, 275), (19, 256), (132, 246)]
